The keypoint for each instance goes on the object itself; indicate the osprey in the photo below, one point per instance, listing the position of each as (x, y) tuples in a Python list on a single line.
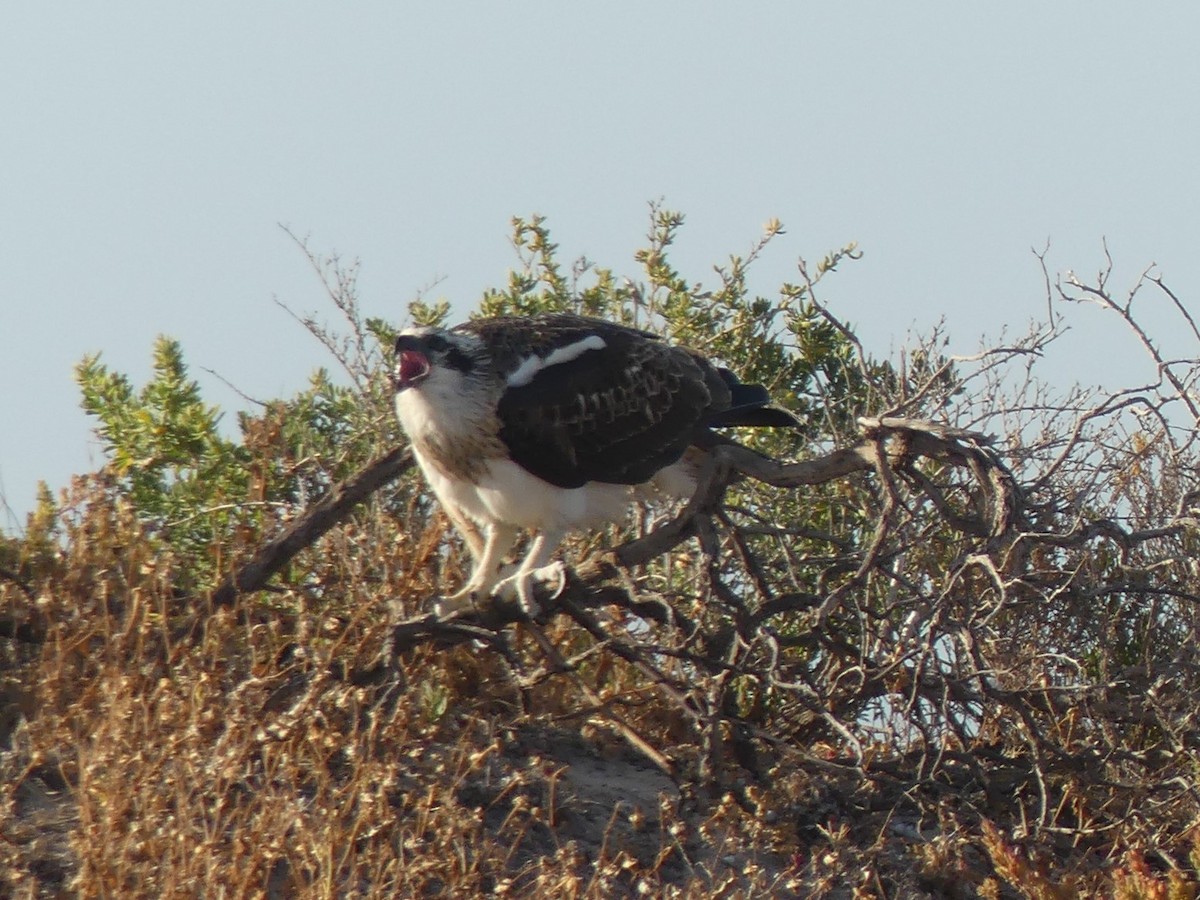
[(550, 423)]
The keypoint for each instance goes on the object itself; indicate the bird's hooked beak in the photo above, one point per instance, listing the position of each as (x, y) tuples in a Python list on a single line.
[(412, 367)]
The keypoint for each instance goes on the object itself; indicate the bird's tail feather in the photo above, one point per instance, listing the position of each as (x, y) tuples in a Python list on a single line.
[(755, 416), (750, 405)]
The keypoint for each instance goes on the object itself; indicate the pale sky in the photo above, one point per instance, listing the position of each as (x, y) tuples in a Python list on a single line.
[(149, 152)]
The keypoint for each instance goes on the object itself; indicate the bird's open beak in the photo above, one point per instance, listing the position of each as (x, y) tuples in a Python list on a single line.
[(412, 367)]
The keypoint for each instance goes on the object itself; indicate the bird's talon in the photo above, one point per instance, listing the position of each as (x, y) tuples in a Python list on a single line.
[(457, 604), (553, 577), (519, 586)]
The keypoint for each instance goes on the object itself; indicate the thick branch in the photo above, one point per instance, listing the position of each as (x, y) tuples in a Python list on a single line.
[(318, 519)]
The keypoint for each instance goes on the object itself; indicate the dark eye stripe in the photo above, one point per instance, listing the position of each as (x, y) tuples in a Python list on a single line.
[(456, 359), (447, 353), (408, 342)]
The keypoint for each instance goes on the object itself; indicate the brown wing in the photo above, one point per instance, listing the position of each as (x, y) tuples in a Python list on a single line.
[(616, 413)]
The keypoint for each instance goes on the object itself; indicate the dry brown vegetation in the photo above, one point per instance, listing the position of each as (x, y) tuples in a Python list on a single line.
[(943, 647)]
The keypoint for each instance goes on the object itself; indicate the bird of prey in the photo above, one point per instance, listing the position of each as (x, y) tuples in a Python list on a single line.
[(552, 423)]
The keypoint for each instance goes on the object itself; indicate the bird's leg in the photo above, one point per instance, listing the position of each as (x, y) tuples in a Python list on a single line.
[(497, 541), (535, 567), (469, 531)]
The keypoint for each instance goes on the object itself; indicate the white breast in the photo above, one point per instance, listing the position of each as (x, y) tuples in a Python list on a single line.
[(507, 493), (443, 406)]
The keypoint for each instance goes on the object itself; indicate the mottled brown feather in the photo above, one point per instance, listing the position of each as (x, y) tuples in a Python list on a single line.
[(617, 414)]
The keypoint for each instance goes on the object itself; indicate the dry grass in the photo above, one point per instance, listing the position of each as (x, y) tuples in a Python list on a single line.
[(247, 763), (264, 756)]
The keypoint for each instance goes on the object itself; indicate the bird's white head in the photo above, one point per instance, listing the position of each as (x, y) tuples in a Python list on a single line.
[(422, 352), (444, 384)]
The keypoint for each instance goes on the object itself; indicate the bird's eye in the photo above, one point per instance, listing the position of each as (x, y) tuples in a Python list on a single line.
[(406, 342), (436, 343)]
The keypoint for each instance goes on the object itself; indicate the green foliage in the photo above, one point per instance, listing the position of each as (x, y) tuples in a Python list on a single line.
[(805, 357), (38, 548), (165, 449), (787, 340), (538, 286), (194, 487)]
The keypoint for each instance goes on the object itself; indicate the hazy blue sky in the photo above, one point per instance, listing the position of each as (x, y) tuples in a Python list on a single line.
[(148, 151)]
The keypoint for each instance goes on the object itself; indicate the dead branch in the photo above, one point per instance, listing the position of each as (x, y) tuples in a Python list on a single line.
[(327, 512)]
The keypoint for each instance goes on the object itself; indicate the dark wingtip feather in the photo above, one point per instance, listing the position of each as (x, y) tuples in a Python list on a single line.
[(748, 395), (755, 415), (750, 405)]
